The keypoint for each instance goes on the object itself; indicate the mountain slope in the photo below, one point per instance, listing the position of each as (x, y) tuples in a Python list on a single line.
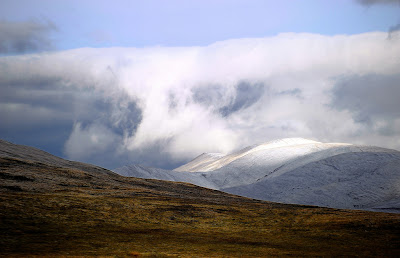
[(27, 169), (362, 180), (55, 211), (27, 153), (303, 172), (198, 164)]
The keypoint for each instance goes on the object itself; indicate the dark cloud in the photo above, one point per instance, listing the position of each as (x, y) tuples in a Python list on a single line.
[(45, 92), (394, 31), (209, 94), (40, 111), (49, 137), (369, 98), (25, 37), (371, 2), (36, 112), (246, 95), (293, 92)]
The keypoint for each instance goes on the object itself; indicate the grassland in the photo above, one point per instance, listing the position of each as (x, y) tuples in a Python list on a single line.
[(47, 210)]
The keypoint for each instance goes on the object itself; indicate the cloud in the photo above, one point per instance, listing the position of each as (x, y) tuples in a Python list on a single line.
[(25, 37), (91, 140), (393, 30), (373, 102), (162, 106), (369, 97), (372, 2)]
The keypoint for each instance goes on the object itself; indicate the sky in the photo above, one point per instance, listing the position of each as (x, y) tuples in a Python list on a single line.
[(157, 83)]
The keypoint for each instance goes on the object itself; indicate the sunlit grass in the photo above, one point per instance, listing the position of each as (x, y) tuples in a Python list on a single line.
[(84, 224)]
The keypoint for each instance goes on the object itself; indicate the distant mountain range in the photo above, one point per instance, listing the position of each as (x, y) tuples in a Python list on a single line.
[(296, 171)]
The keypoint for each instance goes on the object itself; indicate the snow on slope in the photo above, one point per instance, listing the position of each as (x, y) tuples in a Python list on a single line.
[(361, 180), (298, 171), (214, 162), (199, 162)]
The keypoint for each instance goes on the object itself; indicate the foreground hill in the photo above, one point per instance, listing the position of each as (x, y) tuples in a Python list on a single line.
[(54, 207), (297, 171)]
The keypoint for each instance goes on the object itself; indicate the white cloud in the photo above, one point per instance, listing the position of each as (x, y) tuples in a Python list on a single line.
[(215, 98), (92, 140)]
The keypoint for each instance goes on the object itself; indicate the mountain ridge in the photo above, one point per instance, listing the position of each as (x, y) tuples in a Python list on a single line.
[(223, 160), (255, 170)]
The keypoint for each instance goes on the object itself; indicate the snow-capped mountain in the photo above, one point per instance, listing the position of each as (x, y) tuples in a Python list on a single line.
[(296, 170)]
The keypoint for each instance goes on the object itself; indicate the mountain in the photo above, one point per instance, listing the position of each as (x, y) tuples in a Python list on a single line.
[(297, 171), (25, 169), (51, 207)]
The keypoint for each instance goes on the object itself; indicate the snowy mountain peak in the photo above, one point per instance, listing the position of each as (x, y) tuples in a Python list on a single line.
[(212, 161), (285, 142), (289, 141)]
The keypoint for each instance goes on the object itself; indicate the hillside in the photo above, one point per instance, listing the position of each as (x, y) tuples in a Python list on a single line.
[(53, 207), (298, 171)]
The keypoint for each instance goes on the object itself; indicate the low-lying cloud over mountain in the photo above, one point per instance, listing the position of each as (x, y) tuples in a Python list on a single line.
[(161, 106)]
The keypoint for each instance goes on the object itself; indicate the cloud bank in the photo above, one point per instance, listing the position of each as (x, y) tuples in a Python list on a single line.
[(162, 106)]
